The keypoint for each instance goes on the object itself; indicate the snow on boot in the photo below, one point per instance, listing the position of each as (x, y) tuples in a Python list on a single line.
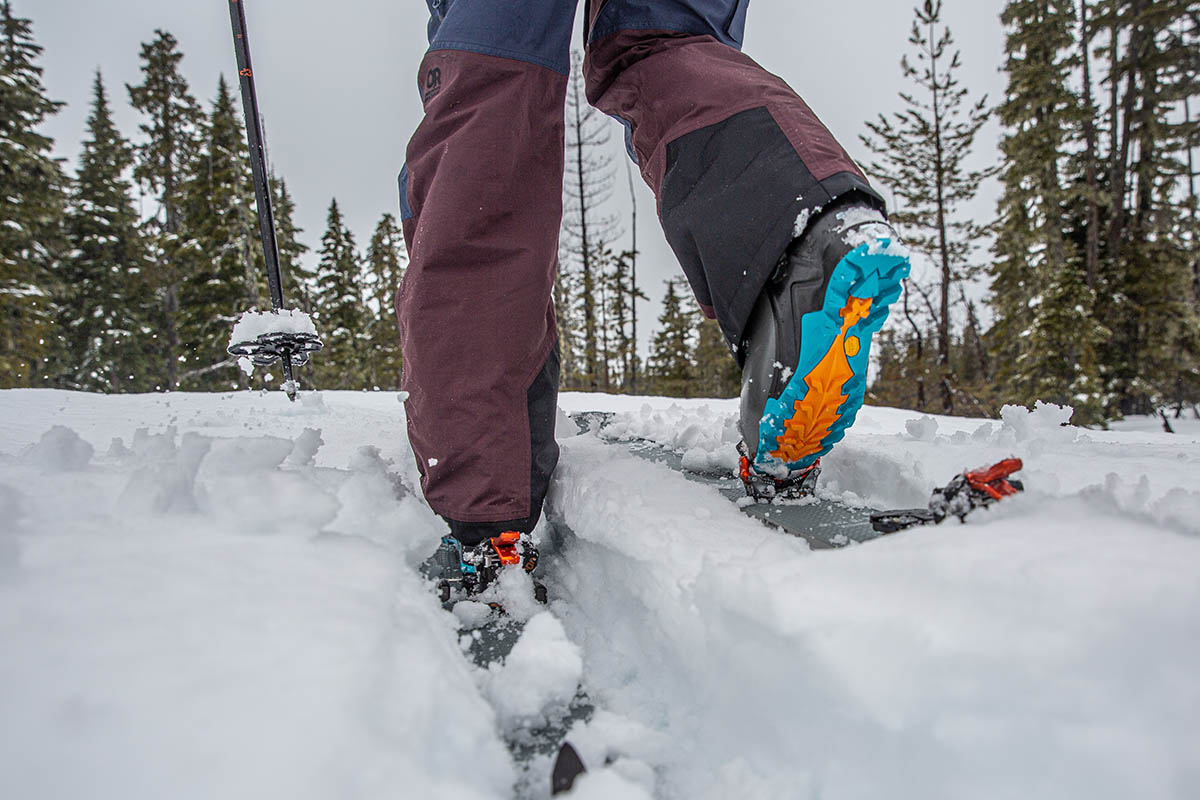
[(808, 341), (469, 571)]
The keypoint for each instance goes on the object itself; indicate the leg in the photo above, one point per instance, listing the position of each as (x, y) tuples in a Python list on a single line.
[(718, 139), (742, 168), (481, 198)]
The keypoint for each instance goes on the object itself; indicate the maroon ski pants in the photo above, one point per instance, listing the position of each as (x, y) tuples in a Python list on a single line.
[(732, 154)]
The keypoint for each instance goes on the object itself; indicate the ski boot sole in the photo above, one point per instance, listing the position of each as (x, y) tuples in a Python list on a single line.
[(826, 391)]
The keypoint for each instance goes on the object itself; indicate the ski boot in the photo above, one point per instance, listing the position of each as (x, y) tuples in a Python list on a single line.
[(808, 343), (471, 570)]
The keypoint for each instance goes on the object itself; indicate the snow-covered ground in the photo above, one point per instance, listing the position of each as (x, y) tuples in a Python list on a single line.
[(217, 596)]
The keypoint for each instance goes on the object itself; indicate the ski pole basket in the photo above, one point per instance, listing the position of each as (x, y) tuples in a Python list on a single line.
[(267, 348)]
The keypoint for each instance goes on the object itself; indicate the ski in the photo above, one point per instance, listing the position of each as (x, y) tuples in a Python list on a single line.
[(794, 508), (568, 766)]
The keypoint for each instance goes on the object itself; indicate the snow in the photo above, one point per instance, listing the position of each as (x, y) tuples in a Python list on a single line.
[(59, 450), (202, 613), (801, 224), (923, 429), (606, 785), (252, 324), (539, 676), (217, 596)]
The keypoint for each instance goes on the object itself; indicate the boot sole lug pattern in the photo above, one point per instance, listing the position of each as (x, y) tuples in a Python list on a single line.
[(826, 391)]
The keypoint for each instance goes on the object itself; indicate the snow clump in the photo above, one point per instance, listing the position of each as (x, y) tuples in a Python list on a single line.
[(12, 508), (708, 438), (60, 450), (1046, 425), (305, 447), (923, 429), (253, 324), (564, 426), (606, 785), (540, 675), (165, 483)]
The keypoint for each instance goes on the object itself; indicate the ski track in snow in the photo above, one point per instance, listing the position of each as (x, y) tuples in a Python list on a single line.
[(226, 604)]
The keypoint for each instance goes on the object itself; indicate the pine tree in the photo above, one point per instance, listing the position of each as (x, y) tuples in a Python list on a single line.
[(565, 291), (586, 231), (385, 264), (298, 281), (171, 141), (32, 201), (1060, 361), (620, 294), (635, 293), (716, 372), (1146, 274), (106, 307), (1046, 332), (340, 310), (670, 368), (922, 154), (220, 248)]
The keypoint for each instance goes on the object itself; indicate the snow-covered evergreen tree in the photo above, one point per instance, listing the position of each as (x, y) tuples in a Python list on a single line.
[(340, 309), (620, 294), (32, 201), (670, 368), (716, 373), (170, 141), (1154, 354), (219, 248), (386, 260), (106, 301), (298, 282), (1046, 334)]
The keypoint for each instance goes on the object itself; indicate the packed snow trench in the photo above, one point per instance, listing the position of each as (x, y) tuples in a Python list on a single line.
[(218, 596)]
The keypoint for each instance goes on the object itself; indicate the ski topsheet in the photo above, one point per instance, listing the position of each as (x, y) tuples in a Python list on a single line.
[(823, 523)]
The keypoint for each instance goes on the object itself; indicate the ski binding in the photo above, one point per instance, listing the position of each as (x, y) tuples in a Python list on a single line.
[(764, 488), (468, 571), (968, 491)]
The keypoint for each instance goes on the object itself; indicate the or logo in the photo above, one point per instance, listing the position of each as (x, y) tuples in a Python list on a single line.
[(433, 84)]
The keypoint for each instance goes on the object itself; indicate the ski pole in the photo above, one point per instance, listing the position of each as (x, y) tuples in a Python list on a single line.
[(290, 348)]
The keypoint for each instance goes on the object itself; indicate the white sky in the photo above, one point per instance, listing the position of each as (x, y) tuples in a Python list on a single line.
[(336, 85)]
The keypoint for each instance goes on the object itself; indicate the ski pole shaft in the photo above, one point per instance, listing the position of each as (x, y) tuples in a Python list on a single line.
[(258, 159)]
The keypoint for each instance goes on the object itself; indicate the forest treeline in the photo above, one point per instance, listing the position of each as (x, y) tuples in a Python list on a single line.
[(98, 295), (1083, 288), (1092, 273)]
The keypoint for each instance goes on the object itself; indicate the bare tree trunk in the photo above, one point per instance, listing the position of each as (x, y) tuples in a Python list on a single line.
[(1092, 252), (604, 352), (589, 303), (1187, 118), (920, 351), (633, 287), (943, 244), (1121, 141)]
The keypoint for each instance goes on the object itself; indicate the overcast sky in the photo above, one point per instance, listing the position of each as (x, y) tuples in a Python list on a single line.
[(336, 84)]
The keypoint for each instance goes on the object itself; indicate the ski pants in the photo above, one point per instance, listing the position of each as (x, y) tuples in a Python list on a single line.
[(732, 154)]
